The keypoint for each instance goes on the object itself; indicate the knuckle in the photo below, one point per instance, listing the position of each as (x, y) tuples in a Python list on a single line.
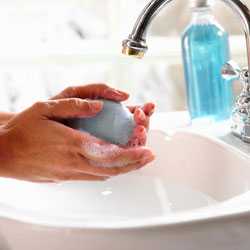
[(103, 86), (69, 91), (72, 101), (76, 103), (84, 105), (39, 105)]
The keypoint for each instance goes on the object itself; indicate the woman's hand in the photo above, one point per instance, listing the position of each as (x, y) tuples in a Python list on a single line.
[(34, 146), (142, 114)]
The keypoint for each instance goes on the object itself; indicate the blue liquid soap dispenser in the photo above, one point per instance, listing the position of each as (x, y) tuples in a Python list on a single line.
[(205, 49)]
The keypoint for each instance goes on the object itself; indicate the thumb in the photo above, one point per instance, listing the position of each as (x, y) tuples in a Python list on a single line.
[(69, 108)]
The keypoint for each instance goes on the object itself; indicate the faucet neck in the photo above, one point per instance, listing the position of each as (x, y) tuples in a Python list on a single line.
[(136, 44)]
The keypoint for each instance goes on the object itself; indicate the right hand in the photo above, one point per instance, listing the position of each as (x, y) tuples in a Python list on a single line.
[(34, 146)]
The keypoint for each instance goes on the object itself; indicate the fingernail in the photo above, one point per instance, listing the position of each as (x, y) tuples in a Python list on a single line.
[(96, 105), (122, 93), (117, 93), (152, 109)]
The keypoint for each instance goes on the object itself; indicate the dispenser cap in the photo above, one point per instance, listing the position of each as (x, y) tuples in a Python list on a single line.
[(201, 3)]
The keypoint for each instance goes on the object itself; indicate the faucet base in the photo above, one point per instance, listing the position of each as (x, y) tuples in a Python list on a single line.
[(241, 130)]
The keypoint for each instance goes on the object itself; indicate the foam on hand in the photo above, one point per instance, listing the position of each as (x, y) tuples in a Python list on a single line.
[(114, 123)]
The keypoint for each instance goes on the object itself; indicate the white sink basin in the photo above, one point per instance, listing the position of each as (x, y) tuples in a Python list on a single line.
[(196, 189)]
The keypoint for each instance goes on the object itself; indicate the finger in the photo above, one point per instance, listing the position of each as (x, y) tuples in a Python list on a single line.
[(148, 108), (68, 108), (80, 177), (139, 137), (133, 108), (112, 170), (110, 153), (140, 118), (35, 180), (93, 91)]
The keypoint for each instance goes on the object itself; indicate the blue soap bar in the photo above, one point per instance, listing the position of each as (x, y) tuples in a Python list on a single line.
[(114, 123)]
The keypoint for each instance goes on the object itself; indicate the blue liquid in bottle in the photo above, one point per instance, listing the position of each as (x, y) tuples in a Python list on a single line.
[(205, 48)]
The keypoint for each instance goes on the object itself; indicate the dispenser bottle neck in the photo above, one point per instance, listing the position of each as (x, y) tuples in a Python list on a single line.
[(202, 15)]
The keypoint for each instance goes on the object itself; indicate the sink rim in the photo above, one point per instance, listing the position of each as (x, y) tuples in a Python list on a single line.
[(200, 215)]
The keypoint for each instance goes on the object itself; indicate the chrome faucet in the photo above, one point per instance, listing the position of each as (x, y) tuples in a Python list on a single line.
[(136, 46)]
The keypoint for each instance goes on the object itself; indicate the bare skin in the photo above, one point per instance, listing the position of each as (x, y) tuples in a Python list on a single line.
[(35, 146), (141, 113), (5, 117)]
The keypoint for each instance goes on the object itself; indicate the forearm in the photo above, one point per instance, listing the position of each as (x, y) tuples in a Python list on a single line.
[(5, 117)]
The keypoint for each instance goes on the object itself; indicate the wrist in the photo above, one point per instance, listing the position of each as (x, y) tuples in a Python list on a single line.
[(5, 153)]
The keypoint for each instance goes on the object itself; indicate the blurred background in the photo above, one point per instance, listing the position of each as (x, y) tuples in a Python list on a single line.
[(47, 45)]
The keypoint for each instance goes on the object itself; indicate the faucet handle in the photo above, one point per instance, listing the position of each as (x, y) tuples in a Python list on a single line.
[(241, 111), (231, 71)]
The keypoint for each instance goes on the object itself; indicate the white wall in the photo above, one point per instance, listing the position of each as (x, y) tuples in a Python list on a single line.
[(50, 44)]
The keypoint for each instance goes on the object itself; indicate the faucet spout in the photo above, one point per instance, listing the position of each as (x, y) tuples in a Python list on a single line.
[(136, 44)]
